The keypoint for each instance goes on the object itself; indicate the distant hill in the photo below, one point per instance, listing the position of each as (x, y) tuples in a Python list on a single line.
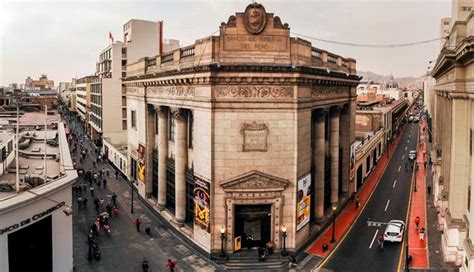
[(406, 82)]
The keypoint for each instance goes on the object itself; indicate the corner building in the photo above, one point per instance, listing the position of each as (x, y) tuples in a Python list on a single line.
[(248, 131)]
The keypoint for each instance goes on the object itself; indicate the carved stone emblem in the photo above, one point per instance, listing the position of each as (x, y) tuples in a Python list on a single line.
[(255, 137), (171, 91), (255, 18)]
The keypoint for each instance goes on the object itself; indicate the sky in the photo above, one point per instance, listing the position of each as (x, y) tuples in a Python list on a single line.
[(63, 38)]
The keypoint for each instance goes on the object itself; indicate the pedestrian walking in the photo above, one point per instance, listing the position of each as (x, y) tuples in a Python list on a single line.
[(92, 189), (424, 164), (114, 198), (145, 265), (428, 188), (422, 234), (417, 222), (380, 240), (96, 204), (108, 207), (416, 166), (105, 183), (357, 202), (171, 264), (353, 197), (137, 223)]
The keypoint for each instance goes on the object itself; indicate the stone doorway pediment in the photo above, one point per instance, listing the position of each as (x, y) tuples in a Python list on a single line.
[(255, 181)]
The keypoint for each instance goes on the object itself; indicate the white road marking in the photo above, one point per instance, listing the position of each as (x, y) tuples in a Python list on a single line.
[(406, 147), (386, 206), (373, 239), (400, 167), (394, 183), (403, 157)]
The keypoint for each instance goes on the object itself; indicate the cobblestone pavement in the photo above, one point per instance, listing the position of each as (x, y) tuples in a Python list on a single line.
[(124, 248)]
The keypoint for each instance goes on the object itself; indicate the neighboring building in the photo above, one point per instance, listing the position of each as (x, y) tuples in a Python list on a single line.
[(369, 147), (375, 115), (35, 233), (108, 121), (409, 94), (40, 98), (429, 95), (453, 130), (444, 28), (42, 83), (248, 131), (369, 86), (391, 89), (83, 99)]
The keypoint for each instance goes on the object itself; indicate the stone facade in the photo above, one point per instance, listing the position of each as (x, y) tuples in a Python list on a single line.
[(453, 126), (243, 118)]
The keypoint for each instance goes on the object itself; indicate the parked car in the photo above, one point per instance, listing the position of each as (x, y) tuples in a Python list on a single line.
[(412, 155), (394, 231)]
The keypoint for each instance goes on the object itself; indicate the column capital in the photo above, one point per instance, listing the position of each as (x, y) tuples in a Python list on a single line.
[(320, 115), (335, 111), (179, 114), (161, 109), (151, 107)]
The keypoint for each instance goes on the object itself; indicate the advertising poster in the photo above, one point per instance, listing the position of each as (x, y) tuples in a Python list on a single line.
[(352, 171), (141, 170), (201, 203), (303, 198)]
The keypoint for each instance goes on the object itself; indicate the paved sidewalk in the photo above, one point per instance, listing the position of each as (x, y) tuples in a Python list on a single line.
[(124, 248), (347, 217), (418, 248)]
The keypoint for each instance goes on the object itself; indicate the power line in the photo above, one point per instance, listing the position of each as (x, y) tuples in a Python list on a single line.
[(369, 45)]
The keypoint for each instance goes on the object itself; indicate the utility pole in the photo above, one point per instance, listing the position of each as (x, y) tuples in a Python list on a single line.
[(45, 153), (17, 136)]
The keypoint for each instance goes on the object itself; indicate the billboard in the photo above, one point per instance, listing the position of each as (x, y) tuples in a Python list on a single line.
[(303, 202), (202, 203)]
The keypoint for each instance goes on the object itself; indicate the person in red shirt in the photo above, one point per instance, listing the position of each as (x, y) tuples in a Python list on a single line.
[(417, 221), (171, 265)]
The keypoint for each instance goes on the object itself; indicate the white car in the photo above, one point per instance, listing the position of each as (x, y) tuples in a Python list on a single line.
[(394, 231), (412, 155)]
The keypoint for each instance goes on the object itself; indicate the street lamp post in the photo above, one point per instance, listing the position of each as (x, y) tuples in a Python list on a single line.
[(284, 235), (333, 207), (223, 254)]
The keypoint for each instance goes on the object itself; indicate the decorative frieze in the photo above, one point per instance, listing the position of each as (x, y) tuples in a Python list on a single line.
[(321, 92), (184, 91), (254, 92)]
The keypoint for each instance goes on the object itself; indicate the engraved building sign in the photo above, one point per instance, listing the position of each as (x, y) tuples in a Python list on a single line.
[(255, 137)]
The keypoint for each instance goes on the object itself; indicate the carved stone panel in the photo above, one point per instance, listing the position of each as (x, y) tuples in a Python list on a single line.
[(254, 92), (171, 91), (255, 137), (255, 182), (323, 92)]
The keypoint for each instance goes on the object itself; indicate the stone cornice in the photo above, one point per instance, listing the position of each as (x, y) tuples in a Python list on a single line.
[(331, 77)]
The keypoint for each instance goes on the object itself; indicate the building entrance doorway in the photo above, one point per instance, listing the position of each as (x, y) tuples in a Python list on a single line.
[(252, 223), (360, 179), (30, 248)]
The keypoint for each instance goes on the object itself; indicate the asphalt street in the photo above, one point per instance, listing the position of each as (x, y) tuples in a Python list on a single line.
[(124, 248), (359, 250)]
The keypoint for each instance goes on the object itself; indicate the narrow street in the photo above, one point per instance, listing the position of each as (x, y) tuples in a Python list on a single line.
[(124, 248), (389, 202)]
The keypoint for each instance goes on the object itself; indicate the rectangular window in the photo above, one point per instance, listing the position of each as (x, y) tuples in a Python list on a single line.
[(124, 124), (171, 127), (133, 119), (124, 113)]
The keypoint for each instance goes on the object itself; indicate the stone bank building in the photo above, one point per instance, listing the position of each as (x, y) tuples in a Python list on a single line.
[(245, 133)]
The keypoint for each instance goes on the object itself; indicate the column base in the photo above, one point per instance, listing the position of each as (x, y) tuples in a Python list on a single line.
[(320, 219), (178, 222), (161, 207)]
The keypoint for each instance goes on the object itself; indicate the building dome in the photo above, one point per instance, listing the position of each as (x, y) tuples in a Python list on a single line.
[(391, 84)]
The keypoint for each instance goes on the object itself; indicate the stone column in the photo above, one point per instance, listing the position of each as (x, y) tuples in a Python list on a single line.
[(181, 154), (334, 149), (346, 149), (319, 156), (162, 155), (150, 126)]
